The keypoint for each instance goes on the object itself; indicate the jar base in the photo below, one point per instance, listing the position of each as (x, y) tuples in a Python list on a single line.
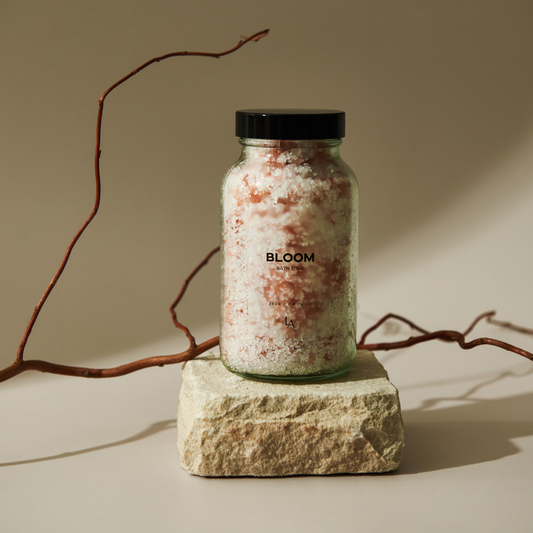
[(292, 378)]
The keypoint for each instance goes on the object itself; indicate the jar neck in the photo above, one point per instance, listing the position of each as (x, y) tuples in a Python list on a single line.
[(291, 150)]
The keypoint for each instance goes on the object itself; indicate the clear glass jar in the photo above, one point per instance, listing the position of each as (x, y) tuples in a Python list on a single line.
[(289, 249)]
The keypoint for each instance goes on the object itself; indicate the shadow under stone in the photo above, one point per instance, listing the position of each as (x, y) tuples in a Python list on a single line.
[(465, 435)]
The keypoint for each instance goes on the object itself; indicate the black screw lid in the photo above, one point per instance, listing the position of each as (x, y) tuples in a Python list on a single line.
[(289, 124)]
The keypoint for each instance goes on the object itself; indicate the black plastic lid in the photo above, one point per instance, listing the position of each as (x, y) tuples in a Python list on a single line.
[(289, 124)]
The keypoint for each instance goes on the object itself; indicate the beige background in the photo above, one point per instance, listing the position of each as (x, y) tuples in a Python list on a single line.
[(439, 108)]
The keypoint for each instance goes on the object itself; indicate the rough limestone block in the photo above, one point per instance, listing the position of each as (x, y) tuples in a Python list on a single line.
[(230, 426)]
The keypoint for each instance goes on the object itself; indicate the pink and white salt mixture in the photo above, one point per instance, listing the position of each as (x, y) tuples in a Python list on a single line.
[(289, 239)]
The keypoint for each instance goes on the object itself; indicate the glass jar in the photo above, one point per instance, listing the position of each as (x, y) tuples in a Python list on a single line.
[(289, 248)]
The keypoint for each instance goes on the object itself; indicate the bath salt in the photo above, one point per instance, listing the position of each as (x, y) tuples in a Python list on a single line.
[(289, 248)]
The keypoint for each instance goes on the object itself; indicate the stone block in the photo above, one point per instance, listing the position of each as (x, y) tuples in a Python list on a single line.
[(231, 426)]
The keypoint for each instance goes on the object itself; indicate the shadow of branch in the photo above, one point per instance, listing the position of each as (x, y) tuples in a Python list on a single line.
[(480, 431), (154, 428)]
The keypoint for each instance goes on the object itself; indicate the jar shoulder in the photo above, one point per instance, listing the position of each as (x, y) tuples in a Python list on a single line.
[(249, 172)]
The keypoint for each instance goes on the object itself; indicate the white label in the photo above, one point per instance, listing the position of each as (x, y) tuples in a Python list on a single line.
[(289, 271)]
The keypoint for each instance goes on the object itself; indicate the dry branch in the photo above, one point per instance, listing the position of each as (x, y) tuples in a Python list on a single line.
[(20, 365), (442, 335), (158, 360)]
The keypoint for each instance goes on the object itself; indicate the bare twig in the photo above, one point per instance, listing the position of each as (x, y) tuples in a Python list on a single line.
[(192, 340), (387, 317), (64, 370), (510, 325), (37, 310), (443, 335), (488, 315), (159, 360)]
